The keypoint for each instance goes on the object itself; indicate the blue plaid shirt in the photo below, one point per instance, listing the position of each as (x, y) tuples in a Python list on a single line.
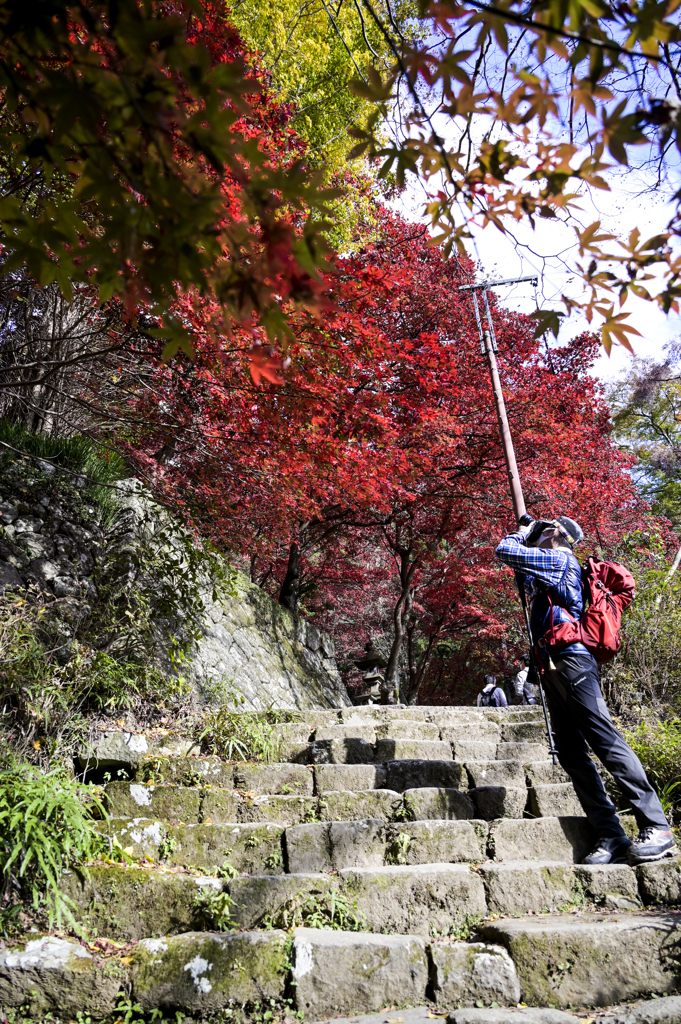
[(561, 575)]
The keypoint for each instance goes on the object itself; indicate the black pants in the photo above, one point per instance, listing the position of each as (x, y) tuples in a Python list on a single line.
[(579, 716)]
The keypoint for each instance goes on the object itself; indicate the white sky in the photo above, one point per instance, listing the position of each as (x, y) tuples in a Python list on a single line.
[(619, 212)]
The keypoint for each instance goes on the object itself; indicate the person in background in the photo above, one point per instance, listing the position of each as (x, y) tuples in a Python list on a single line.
[(491, 695), (520, 680), (530, 693), (525, 689)]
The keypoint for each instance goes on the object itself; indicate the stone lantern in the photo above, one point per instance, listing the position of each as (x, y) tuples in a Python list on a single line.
[(370, 663)]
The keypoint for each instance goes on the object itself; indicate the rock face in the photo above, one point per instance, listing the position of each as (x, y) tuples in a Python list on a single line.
[(249, 642), (272, 659)]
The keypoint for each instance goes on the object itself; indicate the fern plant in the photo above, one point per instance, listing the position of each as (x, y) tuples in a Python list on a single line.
[(46, 825)]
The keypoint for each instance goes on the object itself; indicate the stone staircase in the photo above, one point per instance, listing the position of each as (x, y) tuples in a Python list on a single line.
[(442, 844)]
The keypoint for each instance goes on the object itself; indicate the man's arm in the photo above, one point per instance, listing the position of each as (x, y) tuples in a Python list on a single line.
[(542, 563)]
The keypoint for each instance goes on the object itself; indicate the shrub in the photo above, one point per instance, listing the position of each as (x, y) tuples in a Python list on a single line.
[(647, 671), (105, 684), (658, 745), (121, 649), (243, 735), (84, 461), (44, 702), (46, 825)]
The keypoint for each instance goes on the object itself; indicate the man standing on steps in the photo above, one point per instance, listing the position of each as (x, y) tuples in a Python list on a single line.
[(543, 552), (522, 685)]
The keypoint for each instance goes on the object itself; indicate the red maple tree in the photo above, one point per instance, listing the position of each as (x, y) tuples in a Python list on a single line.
[(371, 485)]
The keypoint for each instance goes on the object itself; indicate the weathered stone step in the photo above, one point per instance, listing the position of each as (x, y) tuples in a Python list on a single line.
[(591, 959), (255, 849), (403, 775), (532, 731), (522, 751), (543, 773), (558, 839), (333, 970), (480, 1014), (522, 887), (507, 797), (495, 773), (445, 714), (481, 729), (293, 779), (332, 846), (203, 973), (350, 737), (173, 804), (661, 1010), (435, 898), (46, 975), (554, 800), (404, 729), (371, 731), (129, 902), (356, 750), (299, 775), (116, 749), (492, 802), (192, 771), (359, 750), (422, 899), (169, 803)]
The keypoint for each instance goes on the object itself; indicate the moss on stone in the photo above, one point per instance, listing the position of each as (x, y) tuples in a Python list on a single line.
[(208, 972), (132, 903)]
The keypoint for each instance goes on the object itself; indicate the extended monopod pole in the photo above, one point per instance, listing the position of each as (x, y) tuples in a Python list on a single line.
[(488, 347)]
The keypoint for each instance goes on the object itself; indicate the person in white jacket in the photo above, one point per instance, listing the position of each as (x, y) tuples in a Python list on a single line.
[(520, 680), (522, 687)]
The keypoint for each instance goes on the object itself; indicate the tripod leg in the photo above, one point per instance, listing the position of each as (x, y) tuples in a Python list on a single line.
[(520, 583)]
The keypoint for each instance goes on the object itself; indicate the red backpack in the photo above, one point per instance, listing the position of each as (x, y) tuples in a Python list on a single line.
[(609, 589)]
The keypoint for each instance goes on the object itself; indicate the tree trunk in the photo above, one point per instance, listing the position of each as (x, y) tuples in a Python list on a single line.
[(165, 454), (417, 666), (413, 676), (390, 688), (288, 595)]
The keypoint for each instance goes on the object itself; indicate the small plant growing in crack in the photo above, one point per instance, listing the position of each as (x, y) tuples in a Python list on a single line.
[(407, 812), (398, 847), (167, 846), (461, 930), (329, 910), (214, 909)]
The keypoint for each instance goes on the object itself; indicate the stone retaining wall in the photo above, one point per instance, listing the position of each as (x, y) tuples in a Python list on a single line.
[(249, 641)]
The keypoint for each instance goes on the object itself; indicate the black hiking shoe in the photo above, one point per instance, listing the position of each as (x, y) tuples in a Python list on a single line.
[(652, 844), (609, 850)]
